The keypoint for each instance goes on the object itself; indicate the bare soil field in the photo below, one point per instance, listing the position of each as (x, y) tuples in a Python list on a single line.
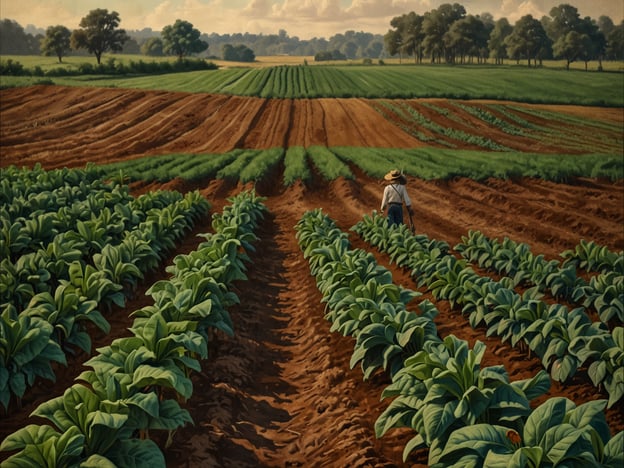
[(280, 392), (63, 126)]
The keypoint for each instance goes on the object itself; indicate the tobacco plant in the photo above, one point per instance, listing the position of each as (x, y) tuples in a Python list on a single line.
[(557, 433), (443, 388), (27, 349), (92, 431)]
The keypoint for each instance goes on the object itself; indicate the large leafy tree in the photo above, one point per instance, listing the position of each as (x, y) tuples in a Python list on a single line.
[(153, 46), (182, 39), (496, 42), (466, 37), (569, 46), (594, 42), (565, 18), (435, 25), (575, 38), (56, 42), (563, 27), (99, 33), (527, 40), (392, 41), (615, 43), (412, 34), (14, 40)]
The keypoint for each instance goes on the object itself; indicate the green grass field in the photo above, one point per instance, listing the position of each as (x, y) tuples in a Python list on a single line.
[(549, 84)]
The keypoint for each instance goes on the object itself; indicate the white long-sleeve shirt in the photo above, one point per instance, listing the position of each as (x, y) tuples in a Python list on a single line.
[(395, 193)]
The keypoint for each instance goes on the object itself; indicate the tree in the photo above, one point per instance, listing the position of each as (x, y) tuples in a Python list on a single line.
[(374, 49), (412, 35), (568, 47), (99, 33), (565, 18), (153, 47), (436, 23), (575, 38), (605, 25), (131, 46), (466, 37), (615, 43), (528, 39), (182, 39), (563, 28), (496, 43), (349, 49), (56, 42), (239, 53), (594, 42), (15, 41), (392, 41), (323, 56)]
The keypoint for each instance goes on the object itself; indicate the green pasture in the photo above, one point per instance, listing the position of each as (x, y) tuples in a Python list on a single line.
[(73, 61), (503, 82), (299, 163)]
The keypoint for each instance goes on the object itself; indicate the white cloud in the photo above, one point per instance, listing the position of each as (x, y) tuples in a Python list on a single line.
[(258, 8)]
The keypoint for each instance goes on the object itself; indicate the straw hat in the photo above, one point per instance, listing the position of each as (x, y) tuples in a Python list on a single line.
[(395, 176)]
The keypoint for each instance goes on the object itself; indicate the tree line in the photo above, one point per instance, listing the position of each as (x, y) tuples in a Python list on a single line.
[(447, 34), (14, 40)]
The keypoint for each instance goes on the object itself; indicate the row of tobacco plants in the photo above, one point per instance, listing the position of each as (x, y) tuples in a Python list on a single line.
[(135, 386), (603, 293), (565, 340), (464, 414), (72, 246)]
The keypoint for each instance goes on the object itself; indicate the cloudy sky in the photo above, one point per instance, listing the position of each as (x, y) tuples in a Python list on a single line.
[(302, 18)]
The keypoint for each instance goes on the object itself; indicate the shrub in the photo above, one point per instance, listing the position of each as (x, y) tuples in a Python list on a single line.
[(11, 67)]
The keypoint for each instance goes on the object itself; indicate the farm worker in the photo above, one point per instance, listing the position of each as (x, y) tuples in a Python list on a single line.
[(394, 196)]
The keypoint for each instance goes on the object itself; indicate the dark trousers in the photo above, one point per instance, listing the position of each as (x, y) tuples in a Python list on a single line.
[(395, 213)]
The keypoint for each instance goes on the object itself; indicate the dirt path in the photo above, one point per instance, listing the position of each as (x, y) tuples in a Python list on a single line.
[(282, 391)]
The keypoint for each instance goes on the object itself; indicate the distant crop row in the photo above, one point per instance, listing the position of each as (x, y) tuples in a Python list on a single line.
[(300, 163), (498, 127), (503, 83)]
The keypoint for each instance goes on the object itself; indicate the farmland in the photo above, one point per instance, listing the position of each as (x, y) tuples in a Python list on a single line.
[(281, 390)]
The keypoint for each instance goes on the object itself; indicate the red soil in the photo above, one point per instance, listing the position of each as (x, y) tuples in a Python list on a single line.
[(280, 392)]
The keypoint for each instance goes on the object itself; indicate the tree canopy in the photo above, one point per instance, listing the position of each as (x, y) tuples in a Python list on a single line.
[(448, 34), (98, 33), (15, 41), (444, 34), (56, 42), (182, 39), (239, 53)]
